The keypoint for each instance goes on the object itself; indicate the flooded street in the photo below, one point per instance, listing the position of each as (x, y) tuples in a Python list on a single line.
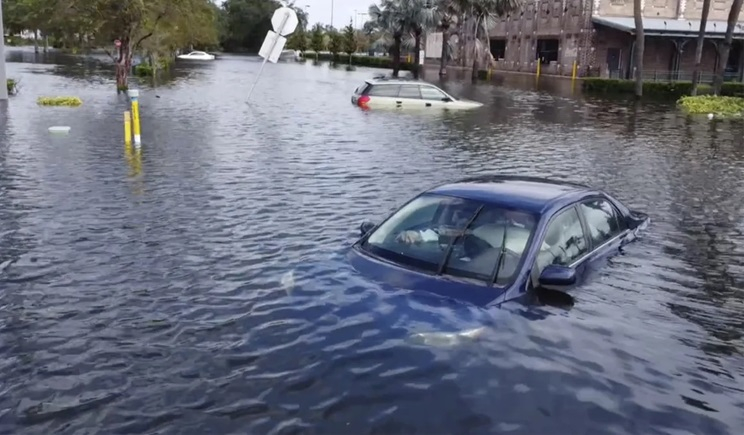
[(200, 287)]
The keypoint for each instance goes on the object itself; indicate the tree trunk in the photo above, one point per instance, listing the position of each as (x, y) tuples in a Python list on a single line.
[(463, 40), (46, 43), (417, 53), (396, 53), (639, 48), (474, 72), (123, 66), (726, 47), (36, 41), (443, 60), (699, 47)]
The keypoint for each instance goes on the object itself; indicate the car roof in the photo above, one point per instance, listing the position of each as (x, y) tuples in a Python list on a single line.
[(532, 194), (378, 80)]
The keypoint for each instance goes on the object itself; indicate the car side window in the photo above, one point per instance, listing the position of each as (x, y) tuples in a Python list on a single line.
[(383, 91), (564, 241), (602, 219), (430, 93), (409, 91)]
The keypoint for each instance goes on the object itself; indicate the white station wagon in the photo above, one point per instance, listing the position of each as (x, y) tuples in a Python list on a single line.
[(383, 92)]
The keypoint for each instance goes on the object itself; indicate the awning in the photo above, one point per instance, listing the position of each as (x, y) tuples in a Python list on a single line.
[(670, 27)]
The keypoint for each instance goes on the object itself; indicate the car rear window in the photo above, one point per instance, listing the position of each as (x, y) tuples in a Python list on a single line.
[(361, 88), (382, 90)]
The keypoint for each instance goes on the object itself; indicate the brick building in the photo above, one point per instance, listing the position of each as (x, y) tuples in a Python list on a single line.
[(599, 36)]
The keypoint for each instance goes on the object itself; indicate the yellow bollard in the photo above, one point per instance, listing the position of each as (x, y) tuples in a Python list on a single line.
[(134, 96), (489, 74), (127, 128), (538, 69), (574, 70)]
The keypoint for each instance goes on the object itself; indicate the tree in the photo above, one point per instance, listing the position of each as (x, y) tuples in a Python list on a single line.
[(481, 15), (726, 46), (639, 48), (349, 40), (317, 39), (389, 17), (699, 47), (418, 16), (446, 12), (246, 23), (336, 43), (298, 40)]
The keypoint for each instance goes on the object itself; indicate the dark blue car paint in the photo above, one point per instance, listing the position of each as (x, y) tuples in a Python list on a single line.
[(544, 197)]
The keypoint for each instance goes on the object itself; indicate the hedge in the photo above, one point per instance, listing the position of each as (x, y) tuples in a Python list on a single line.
[(370, 61), (671, 89), (711, 104)]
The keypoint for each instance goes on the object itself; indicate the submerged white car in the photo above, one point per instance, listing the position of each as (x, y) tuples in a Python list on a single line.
[(384, 92)]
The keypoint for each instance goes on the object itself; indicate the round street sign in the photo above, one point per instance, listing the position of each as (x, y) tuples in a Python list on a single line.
[(117, 43), (287, 17)]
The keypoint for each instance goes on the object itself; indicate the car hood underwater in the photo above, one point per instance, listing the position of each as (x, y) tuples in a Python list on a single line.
[(414, 316)]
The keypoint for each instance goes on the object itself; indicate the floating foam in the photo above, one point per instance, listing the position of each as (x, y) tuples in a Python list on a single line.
[(59, 129)]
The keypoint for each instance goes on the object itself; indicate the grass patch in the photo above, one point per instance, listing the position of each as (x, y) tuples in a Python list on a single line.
[(12, 86), (717, 105), (59, 101)]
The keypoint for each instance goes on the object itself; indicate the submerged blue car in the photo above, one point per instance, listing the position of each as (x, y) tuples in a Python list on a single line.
[(494, 239)]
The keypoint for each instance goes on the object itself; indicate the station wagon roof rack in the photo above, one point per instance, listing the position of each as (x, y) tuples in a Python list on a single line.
[(383, 77)]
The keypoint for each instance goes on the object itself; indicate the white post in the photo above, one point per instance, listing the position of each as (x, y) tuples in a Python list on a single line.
[(3, 77)]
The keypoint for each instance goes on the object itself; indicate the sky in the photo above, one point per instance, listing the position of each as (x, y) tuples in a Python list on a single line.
[(343, 11)]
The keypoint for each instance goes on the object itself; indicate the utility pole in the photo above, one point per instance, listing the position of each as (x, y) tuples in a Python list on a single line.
[(3, 77), (331, 13)]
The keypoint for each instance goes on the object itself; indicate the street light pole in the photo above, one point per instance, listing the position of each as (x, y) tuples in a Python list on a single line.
[(331, 14), (3, 77)]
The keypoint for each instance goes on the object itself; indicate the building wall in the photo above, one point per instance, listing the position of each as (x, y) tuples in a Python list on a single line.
[(580, 40)]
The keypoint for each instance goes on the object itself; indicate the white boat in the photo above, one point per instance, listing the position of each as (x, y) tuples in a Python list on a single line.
[(196, 55)]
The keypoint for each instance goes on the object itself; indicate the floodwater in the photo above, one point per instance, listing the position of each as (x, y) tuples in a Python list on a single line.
[(199, 286)]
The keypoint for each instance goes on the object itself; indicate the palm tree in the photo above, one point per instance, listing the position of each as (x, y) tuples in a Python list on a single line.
[(639, 47), (726, 47), (418, 16), (699, 47), (482, 13), (446, 13), (389, 17)]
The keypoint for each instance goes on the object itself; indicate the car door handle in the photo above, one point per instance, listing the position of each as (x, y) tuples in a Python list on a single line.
[(398, 102), (428, 104)]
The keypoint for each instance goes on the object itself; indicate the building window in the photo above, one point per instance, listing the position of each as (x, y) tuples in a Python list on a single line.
[(547, 50), (498, 48)]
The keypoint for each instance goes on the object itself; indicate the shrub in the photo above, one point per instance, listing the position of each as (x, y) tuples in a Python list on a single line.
[(143, 70), (369, 61), (671, 89), (59, 101), (717, 105)]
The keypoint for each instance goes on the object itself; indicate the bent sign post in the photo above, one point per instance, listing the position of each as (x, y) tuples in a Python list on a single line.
[(284, 21)]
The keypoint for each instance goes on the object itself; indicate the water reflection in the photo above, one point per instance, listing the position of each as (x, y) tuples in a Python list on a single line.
[(146, 290)]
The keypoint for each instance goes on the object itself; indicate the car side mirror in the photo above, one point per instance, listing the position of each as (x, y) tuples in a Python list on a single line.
[(446, 99), (366, 227), (557, 275)]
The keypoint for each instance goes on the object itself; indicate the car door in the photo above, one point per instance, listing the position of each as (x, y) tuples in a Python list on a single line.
[(409, 97), (382, 95), (433, 97), (564, 243), (605, 229)]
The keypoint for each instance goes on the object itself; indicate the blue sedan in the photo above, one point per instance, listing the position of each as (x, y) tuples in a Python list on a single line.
[(494, 239)]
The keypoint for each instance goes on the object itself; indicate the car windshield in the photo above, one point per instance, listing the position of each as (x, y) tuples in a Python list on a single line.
[(455, 236)]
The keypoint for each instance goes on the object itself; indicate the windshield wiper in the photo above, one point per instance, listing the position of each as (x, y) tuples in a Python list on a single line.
[(501, 254), (451, 245)]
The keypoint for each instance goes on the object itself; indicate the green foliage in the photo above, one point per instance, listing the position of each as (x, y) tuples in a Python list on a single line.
[(336, 43), (59, 101), (144, 70), (317, 38), (298, 40), (349, 40), (246, 23), (12, 86), (368, 61), (668, 89), (717, 105)]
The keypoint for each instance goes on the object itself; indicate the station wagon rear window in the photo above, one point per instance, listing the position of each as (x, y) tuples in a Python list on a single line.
[(454, 236), (382, 90)]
